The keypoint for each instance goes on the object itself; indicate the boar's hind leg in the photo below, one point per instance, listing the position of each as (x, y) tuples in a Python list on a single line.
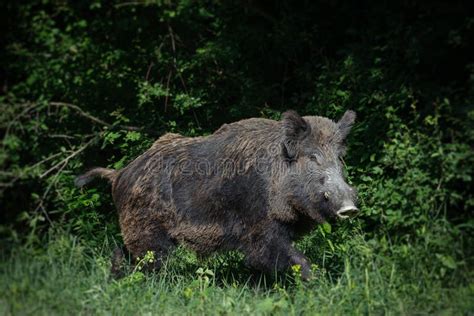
[(119, 259)]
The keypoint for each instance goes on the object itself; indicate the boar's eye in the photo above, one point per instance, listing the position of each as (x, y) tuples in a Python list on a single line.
[(322, 180), (315, 158)]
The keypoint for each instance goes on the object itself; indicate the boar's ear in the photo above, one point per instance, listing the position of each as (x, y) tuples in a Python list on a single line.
[(296, 128), (345, 123)]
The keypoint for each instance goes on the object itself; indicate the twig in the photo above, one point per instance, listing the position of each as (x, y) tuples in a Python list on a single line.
[(173, 46), (16, 176), (61, 136), (81, 112), (93, 118), (61, 165), (283, 82), (261, 12), (167, 89), (44, 160), (148, 71), (66, 160), (6, 173), (128, 4), (28, 107), (46, 192)]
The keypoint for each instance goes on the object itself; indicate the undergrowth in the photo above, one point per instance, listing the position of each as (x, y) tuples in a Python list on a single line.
[(66, 276), (95, 83)]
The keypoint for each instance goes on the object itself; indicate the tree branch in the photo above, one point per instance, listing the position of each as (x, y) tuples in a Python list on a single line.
[(98, 121), (66, 160)]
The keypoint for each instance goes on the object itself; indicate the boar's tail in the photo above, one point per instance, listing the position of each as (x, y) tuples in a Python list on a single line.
[(87, 177)]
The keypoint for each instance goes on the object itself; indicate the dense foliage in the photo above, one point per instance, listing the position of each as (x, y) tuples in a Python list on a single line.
[(93, 83)]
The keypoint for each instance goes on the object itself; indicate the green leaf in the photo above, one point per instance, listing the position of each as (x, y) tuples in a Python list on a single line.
[(447, 261), (327, 227)]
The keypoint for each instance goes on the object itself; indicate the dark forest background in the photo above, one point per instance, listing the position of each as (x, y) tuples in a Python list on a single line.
[(93, 83)]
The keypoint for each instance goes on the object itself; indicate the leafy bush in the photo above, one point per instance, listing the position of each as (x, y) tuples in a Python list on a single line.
[(94, 83)]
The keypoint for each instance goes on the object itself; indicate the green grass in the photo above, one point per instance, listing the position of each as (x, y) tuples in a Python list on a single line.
[(66, 276)]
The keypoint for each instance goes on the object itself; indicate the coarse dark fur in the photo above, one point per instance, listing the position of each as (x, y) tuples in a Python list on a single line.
[(252, 186)]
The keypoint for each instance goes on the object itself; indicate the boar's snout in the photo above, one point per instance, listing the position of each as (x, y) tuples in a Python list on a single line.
[(347, 210)]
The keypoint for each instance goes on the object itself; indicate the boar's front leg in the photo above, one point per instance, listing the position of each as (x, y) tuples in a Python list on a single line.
[(274, 252), (297, 258), (142, 231), (155, 241), (121, 255)]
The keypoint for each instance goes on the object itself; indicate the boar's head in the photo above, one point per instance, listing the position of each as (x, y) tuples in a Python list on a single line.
[(314, 182)]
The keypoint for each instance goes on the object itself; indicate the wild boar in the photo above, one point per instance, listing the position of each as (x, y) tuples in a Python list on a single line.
[(254, 186)]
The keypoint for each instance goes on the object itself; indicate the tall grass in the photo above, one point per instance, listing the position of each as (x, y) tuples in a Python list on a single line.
[(68, 277)]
